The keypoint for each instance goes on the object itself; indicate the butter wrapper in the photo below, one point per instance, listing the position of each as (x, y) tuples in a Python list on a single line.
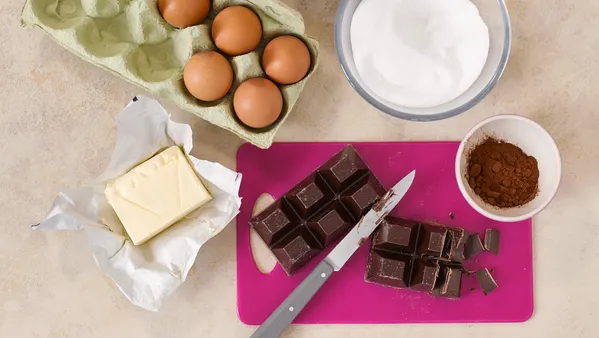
[(148, 273)]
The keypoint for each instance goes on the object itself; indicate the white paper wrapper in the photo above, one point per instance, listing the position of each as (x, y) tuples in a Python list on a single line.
[(147, 273)]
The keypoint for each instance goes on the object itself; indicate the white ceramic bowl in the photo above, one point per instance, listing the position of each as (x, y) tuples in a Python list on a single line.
[(534, 141)]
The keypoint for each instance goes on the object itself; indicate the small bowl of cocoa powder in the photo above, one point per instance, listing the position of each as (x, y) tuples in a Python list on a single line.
[(508, 168)]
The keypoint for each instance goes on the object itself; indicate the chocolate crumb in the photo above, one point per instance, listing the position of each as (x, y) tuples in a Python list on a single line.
[(467, 272), (361, 241), (380, 204), (451, 215)]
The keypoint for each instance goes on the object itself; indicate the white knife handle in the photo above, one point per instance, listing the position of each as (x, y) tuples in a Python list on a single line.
[(282, 317)]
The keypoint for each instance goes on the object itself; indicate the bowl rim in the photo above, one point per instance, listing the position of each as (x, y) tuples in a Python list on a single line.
[(463, 188), (351, 78)]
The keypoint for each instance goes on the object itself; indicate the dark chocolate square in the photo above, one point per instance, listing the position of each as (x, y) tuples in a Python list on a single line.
[(492, 240), (343, 169), (388, 269), (360, 197), (310, 195), (474, 246), (424, 275), (456, 244), (275, 222), (296, 249), (431, 240), (397, 235), (486, 281), (330, 224), (449, 283)]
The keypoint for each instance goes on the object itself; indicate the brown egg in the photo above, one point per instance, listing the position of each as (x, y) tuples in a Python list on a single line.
[(286, 60), (258, 102), (184, 13), (208, 76), (236, 30)]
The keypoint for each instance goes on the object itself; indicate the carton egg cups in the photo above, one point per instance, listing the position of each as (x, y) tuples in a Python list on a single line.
[(131, 39)]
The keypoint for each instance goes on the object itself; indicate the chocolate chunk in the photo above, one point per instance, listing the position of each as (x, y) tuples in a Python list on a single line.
[(388, 269), (446, 247), (457, 244), (431, 240), (396, 235), (492, 240), (450, 283), (451, 215), (318, 210), (453, 283), (275, 222), (486, 281), (424, 275), (330, 224), (296, 249), (474, 246)]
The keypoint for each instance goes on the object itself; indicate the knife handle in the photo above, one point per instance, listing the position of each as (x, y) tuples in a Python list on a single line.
[(282, 317)]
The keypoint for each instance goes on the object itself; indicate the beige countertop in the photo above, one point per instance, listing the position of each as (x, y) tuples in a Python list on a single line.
[(57, 130)]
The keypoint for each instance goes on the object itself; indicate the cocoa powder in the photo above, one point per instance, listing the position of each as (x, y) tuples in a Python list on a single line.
[(502, 174)]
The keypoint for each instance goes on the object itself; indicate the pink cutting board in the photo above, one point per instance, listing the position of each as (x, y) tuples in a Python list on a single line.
[(346, 298)]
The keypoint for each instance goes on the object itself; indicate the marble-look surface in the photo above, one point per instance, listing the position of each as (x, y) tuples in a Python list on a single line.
[(57, 130)]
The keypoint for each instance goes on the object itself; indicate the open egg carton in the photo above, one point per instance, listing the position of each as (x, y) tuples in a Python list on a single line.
[(131, 39)]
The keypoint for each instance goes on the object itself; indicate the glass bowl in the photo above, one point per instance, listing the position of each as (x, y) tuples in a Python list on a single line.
[(495, 15)]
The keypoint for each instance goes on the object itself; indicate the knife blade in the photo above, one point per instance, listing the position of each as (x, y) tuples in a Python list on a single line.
[(283, 315)]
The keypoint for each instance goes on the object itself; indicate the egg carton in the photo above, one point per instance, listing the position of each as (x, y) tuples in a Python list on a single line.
[(131, 39)]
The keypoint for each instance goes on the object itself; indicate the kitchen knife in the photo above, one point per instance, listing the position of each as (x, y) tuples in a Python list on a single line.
[(282, 317)]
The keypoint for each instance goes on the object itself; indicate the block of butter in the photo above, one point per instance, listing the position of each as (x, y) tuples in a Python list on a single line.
[(156, 194)]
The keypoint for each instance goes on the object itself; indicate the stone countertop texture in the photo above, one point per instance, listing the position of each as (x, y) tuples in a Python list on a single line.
[(57, 130)]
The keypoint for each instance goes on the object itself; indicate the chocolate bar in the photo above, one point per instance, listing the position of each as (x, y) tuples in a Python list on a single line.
[(420, 256), (319, 210)]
